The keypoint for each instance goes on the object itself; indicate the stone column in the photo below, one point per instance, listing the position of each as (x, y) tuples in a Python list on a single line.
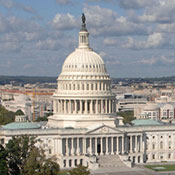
[(107, 146), (123, 144), (84, 145), (114, 106), (95, 146), (75, 101), (106, 106), (103, 145), (141, 144), (91, 107), (67, 146), (81, 109), (110, 106), (136, 143), (90, 145), (112, 146), (54, 106), (85, 106), (70, 111), (101, 142), (72, 147), (102, 110), (131, 144), (64, 106), (96, 106), (58, 102), (117, 149), (61, 109), (78, 147)]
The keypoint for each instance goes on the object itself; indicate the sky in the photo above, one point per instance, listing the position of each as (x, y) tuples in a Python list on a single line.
[(135, 38)]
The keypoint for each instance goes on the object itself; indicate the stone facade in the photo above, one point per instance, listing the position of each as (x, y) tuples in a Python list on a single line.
[(85, 129)]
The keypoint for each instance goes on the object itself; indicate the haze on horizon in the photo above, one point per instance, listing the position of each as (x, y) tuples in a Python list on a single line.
[(134, 37)]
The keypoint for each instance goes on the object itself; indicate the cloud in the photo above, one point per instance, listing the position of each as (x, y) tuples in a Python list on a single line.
[(106, 22), (166, 28), (161, 61), (135, 4), (64, 2), (64, 22), (161, 11), (10, 47), (12, 23), (55, 44), (105, 1), (110, 41), (10, 4), (155, 40)]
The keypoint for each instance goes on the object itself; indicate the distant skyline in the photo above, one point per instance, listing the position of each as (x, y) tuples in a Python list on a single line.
[(136, 38)]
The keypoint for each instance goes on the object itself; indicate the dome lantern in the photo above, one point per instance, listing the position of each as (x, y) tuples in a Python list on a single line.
[(83, 35)]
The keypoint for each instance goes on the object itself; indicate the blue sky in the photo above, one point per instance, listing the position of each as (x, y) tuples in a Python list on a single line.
[(134, 37)]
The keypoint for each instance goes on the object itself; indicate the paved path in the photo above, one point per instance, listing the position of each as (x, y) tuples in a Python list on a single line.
[(123, 171)]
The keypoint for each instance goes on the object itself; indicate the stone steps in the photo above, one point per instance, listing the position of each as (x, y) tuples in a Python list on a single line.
[(110, 161)]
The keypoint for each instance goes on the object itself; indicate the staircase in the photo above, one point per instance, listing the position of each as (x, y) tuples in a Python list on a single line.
[(113, 161)]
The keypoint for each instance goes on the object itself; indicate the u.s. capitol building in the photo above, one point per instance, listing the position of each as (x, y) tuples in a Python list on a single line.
[(84, 128)]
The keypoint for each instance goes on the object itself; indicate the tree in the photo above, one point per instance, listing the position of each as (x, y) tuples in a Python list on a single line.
[(18, 149), (19, 112), (6, 116), (38, 164), (51, 167), (3, 161), (22, 157), (128, 116), (79, 170)]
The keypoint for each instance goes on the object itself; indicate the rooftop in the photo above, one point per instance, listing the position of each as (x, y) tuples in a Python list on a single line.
[(145, 122), (21, 125)]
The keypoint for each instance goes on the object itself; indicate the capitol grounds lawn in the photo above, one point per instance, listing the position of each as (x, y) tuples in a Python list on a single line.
[(161, 167)]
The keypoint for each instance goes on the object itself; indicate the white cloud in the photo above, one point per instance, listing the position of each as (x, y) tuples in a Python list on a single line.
[(155, 40), (106, 22), (135, 4), (55, 44), (166, 28), (10, 4), (162, 60), (64, 21), (110, 42), (10, 47), (64, 2), (161, 11)]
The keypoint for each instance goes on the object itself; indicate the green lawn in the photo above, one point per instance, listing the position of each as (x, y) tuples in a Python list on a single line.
[(161, 167)]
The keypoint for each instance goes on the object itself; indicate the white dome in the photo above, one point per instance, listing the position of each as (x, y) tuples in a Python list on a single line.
[(83, 61), (83, 97)]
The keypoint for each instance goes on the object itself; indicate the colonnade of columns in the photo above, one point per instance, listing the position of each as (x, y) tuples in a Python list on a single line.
[(77, 106), (97, 86), (135, 143), (102, 145)]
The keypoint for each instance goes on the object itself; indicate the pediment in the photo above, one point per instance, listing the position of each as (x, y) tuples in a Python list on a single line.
[(104, 129)]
